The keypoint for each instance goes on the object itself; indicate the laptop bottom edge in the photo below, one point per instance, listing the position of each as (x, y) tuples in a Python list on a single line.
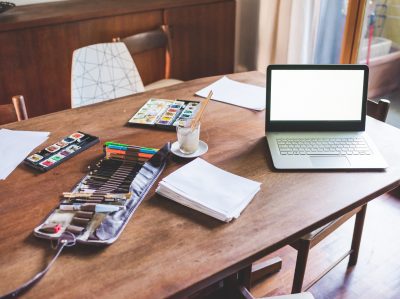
[(324, 150)]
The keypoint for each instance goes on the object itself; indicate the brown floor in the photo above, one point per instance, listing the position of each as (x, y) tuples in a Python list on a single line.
[(377, 273)]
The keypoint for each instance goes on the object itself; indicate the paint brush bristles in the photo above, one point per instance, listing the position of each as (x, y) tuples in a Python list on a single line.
[(200, 113)]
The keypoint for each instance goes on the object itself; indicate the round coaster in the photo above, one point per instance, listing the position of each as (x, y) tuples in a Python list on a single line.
[(203, 148)]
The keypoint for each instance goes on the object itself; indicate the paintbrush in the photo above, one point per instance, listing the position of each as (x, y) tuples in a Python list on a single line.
[(200, 113)]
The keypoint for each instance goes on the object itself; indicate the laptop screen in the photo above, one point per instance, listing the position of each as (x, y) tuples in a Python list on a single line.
[(316, 97)]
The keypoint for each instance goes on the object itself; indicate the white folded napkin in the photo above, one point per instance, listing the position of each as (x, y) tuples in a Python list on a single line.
[(209, 189)]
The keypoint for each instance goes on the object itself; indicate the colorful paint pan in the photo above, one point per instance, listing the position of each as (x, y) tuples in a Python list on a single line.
[(62, 143), (56, 157), (46, 163), (76, 135), (72, 148), (69, 140), (64, 153), (140, 115), (35, 158), (52, 148)]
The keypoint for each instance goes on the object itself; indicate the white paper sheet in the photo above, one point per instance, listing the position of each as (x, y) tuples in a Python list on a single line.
[(15, 146), (236, 93), (209, 189)]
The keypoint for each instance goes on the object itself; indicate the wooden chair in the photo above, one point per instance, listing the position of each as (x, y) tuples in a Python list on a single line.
[(378, 110), (142, 42), (13, 112)]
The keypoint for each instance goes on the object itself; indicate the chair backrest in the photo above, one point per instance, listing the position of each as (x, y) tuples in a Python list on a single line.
[(140, 43), (103, 72), (378, 110), (13, 112)]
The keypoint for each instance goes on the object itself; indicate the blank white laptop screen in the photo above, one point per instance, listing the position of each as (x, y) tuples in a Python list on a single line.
[(316, 95)]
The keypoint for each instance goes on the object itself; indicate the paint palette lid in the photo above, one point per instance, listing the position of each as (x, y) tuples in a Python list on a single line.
[(203, 148)]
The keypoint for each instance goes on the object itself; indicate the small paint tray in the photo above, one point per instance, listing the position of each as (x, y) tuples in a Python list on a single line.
[(61, 151), (164, 114)]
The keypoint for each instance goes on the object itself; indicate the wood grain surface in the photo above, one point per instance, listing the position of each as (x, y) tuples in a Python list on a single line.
[(36, 62), (37, 42), (202, 37), (168, 250), (50, 13)]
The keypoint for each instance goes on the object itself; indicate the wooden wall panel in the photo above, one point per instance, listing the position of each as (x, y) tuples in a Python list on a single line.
[(37, 62), (37, 42), (202, 37)]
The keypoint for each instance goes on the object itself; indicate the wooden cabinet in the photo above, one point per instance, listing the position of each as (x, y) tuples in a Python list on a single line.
[(37, 42), (203, 38)]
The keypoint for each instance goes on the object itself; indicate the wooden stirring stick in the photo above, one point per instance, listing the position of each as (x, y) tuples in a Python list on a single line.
[(200, 113)]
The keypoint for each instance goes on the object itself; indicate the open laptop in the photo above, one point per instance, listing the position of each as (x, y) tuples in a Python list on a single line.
[(315, 117)]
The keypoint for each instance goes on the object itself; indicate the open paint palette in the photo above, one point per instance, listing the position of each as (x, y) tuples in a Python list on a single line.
[(61, 151), (164, 114)]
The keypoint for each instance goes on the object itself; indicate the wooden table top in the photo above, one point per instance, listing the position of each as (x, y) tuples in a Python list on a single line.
[(168, 249)]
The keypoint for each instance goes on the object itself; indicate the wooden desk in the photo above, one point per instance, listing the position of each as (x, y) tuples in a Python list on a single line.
[(168, 249)]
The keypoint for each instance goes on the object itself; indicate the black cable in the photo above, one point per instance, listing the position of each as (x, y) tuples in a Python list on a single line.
[(67, 239)]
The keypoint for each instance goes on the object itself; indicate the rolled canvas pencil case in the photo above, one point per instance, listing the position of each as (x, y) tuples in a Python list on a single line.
[(101, 204), (99, 207)]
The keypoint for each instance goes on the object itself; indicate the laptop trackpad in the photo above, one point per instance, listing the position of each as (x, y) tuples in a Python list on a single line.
[(329, 161)]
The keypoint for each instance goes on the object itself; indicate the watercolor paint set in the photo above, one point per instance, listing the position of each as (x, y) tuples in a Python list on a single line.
[(61, 151), (100, 205), (165, 114)]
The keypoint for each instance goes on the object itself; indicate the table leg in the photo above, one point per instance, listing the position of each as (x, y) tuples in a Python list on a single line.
[(357, 233), (263, 269)]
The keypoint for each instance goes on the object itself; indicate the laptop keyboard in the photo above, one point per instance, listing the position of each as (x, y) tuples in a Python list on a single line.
[(323, 146)]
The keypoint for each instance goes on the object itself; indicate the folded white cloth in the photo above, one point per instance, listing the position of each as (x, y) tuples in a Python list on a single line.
[(209, 189)]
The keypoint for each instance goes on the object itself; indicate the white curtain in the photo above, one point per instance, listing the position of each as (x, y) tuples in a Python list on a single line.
[(296, 32), (286, 32), (303, 31)]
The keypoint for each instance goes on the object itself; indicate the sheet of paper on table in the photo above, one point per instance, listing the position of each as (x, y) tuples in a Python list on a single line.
[(15, 146), (236, 93)]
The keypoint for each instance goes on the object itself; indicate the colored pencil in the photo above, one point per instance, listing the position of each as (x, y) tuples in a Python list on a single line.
[(127, 153), (141, 150), (130, 146)]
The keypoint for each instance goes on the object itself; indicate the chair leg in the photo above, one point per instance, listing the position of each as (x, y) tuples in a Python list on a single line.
[(233, 283), (301, 263), (358, 228), (244, 277)]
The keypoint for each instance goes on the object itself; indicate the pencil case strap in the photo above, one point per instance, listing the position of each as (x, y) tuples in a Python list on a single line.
[(67, 239)]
